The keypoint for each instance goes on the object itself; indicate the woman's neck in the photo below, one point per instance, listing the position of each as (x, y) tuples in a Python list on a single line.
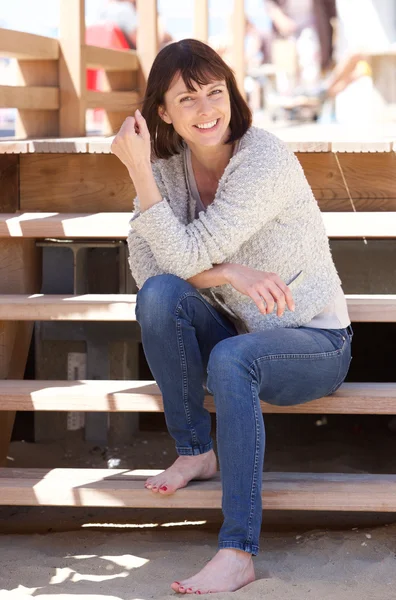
[(211, 160)]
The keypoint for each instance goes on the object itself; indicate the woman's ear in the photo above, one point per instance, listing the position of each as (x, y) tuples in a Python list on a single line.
[(164, 115)]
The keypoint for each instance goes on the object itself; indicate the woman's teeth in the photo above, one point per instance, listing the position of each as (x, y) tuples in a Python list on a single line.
[(207, 125)]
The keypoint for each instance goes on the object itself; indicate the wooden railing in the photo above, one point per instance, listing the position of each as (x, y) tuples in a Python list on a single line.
[(51, 95)]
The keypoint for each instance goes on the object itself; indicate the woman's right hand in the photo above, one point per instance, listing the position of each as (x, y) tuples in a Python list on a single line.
[(265, 289)]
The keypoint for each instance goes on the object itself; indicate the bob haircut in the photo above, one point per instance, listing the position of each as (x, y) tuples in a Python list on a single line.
[(197, 63)]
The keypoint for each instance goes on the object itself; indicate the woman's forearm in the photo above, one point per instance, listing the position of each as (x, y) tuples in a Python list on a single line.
[(217, 275)]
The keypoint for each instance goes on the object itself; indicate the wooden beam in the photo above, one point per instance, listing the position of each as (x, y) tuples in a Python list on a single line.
[(121, 307), (145, 396), (29, 98), (27, 46), (109, 59), (147, 34), (201, 20), (116, 225), (75, 182), (238, 41), (112, 101), (72, 69), (120, 487)]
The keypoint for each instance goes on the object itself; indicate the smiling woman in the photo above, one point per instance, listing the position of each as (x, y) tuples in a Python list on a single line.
[(186, 74), (224, 216)]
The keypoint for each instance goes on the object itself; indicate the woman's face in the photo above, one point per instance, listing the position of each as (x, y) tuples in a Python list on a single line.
[(202, 117)]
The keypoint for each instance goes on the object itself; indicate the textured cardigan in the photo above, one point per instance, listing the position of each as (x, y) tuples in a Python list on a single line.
[(264, 215)]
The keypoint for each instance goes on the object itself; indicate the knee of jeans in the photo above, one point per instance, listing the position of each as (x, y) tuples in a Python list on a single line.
[(158, 297), (225, 362)]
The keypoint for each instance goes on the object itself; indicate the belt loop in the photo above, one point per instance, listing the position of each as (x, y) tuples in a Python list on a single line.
[(350, 330)]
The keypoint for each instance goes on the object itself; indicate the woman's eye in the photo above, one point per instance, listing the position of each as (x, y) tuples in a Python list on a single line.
[(216, 92), (186, 98)]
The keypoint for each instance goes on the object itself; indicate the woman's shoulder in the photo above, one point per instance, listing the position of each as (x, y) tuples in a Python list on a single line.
[(262, 140), (262, 149)]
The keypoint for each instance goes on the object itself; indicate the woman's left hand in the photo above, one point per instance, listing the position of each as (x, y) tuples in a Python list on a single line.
[(132, 145)]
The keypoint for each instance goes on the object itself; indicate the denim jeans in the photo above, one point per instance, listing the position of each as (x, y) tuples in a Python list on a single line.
[(188, 344)]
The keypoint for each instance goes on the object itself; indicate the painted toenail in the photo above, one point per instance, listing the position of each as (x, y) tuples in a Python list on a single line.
[(164, 488)]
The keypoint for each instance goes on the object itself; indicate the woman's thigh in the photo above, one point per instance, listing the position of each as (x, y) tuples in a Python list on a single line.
[(290, 365)]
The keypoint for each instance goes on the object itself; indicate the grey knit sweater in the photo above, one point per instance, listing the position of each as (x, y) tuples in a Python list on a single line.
[(264, 215)]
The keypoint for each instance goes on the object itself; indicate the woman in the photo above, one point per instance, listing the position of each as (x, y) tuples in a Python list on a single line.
[(224, 218)]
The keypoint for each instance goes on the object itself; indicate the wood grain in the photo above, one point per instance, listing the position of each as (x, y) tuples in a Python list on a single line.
[(81, 183), (9, 183), (121, 307), (144, 396), (122, 488)]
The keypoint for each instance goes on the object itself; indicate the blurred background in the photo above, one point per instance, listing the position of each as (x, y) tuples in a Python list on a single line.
[(316, 62)]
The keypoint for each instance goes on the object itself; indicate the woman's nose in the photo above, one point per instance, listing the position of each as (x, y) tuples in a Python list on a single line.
[(204, 106)]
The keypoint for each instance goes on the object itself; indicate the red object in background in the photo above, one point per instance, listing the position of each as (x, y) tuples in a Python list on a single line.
[(106, 35)]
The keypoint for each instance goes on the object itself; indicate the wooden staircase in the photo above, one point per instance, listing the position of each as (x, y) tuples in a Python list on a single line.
[(33, 210)]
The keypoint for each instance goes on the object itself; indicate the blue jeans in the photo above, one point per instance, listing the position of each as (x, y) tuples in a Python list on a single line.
[(184, 338)]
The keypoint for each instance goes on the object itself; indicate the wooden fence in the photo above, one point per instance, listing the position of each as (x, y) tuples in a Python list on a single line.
[(51, 94)]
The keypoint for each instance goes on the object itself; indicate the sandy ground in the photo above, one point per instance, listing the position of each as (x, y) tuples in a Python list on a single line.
[(135, 554)]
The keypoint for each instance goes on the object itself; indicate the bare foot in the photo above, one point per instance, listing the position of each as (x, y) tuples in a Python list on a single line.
[(185, 468), (228, 571)]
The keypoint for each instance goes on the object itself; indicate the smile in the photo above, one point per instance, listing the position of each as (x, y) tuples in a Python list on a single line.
[(207, 126)]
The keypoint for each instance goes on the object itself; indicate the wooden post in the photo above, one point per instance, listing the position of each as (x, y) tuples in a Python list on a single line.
[(72, 68), (147, 35), (201, 20), (37, 123), (239, 27)]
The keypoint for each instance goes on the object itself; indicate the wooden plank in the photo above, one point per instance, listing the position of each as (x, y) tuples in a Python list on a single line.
[(122, 488), (85, 307), (27, 46), (72, 70), (361, 146), (201, 20), (108, 59), (111, 225), (9, 183), (368, 176), (29, 98), (112, 101), (75, 182), (121, 307), (35, 123), (307, 146), (147, 35), (12, 146), (238, 48), (379, 308), (357, 225), (144, 396)]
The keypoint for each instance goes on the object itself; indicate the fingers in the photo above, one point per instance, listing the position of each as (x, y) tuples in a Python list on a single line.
[(264, 301), (141, 121), (266, 295)]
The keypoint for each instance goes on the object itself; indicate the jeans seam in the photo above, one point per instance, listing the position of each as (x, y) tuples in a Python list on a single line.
[(206, 305), (254, 479), (185, 379)]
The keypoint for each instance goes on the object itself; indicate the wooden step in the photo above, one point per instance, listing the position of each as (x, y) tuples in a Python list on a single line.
[(145, 396), (123, 488), (110, 225), (362, 308)]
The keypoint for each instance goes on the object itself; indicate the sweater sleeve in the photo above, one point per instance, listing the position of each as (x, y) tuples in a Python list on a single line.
[(249, 198), (142, 261)]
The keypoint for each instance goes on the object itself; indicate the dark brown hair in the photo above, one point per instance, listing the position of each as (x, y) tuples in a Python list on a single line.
[(197, 63)]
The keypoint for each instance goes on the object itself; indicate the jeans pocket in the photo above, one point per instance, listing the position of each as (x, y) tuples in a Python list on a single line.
[(346, 359)]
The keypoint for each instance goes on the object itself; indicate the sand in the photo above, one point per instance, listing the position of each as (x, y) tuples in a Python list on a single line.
[(60, 553)]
